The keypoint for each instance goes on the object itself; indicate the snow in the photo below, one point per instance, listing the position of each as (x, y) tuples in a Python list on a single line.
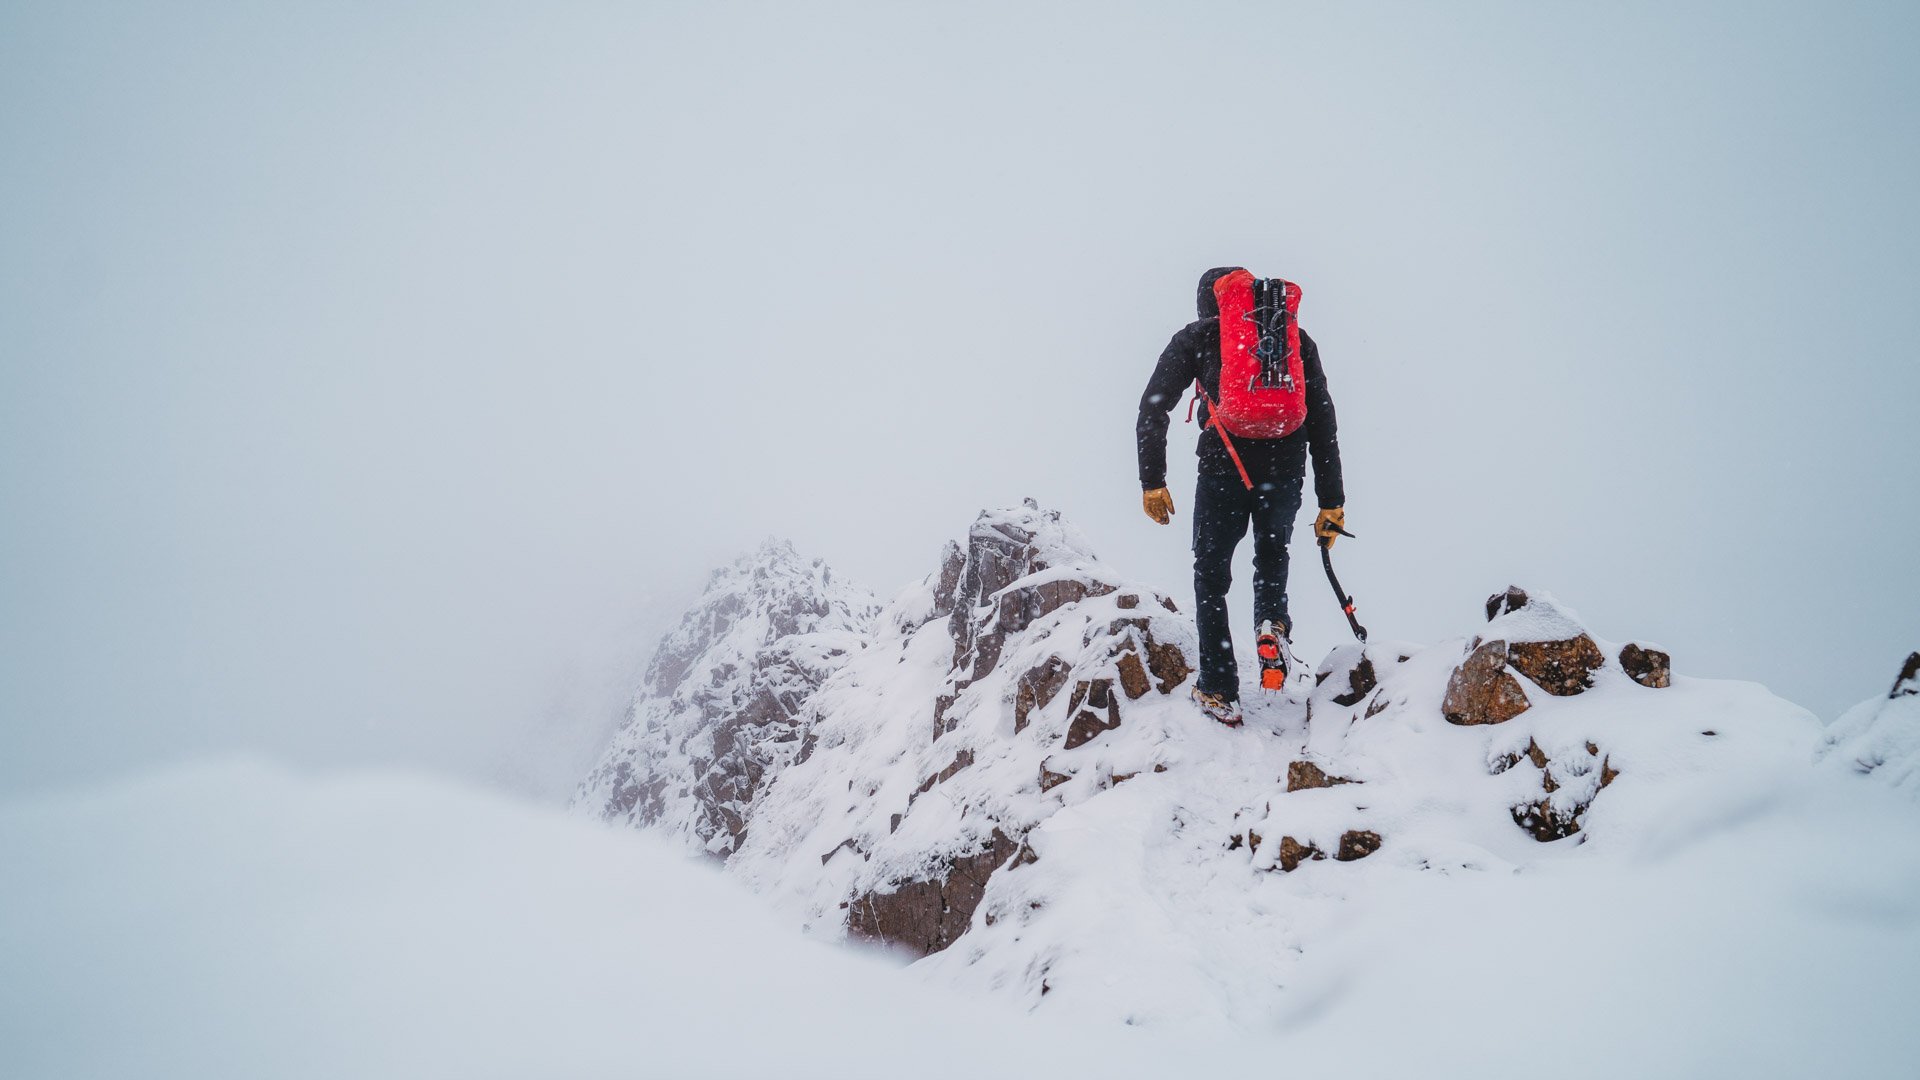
[(1880, 738), (1741, 895), (1710, 859), (235, 919)]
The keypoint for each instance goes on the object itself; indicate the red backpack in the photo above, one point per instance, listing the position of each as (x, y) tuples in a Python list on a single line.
[(1263, 389)]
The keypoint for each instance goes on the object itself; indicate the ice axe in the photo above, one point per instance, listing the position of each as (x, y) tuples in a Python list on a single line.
[(1340, 594)]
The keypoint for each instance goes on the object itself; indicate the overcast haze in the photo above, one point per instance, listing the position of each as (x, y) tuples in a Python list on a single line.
[(376, 381)]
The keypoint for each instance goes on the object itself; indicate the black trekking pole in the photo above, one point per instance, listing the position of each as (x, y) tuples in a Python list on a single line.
[(1340, 594)]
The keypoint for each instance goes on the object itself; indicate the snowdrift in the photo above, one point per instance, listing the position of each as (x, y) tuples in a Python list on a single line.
[(235, 919)]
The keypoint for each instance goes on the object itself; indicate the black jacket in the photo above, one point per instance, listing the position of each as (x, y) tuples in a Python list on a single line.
[(1194, 353)]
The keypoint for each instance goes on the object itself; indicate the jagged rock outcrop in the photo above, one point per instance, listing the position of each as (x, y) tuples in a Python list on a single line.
[(1030, 613), (928, 914), (719, 709)]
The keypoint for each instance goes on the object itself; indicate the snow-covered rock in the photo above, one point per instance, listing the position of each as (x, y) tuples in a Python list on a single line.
[(717, 713), (933, 753), (1880, 737), (1004, 776)]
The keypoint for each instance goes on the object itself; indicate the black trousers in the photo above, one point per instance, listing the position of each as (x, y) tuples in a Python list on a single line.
[(1222, 510)]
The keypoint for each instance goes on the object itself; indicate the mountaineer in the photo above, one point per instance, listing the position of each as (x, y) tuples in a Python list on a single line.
[(1264, 409)]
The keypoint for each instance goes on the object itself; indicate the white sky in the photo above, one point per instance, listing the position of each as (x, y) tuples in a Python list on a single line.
[(373, 382)]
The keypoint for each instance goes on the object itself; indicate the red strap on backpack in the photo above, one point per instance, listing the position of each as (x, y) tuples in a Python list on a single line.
[(1213, 421)]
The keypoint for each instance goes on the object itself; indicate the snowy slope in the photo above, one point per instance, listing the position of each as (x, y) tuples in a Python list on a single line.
[(1880, 737), (234, 919), (999, 795)]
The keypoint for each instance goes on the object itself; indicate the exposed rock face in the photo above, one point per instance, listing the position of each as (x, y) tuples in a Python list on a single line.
[(986, 608), (927, 915), (1648, 667), (1481, 690), (719, 708), (1562, 668), (1019, 573), (889, 765)]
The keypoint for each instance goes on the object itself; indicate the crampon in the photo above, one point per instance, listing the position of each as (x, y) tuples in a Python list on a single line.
[(1217, 707), (1276, 658)]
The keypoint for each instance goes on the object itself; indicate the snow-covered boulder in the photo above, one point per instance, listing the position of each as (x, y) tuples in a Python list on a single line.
[(1535, 637), (1880, 737), (718, 712)]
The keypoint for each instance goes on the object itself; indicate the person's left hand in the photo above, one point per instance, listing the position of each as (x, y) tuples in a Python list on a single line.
[(1328, 520)]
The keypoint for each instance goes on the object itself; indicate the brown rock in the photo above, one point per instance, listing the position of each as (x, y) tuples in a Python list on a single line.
[(940, 706), (1361, 680), (1037, 689), (1133, 676), (1561, 668), (1539, 817), (1303, 775), (1293, 853), (1481, 690), (960, 761), (1909, 680), (952, 562), (1357, 844), (926, 916), (1648, 667), (1500, 603), (1127, 601), (1168, 662), (1050, 779), (1101, 714)]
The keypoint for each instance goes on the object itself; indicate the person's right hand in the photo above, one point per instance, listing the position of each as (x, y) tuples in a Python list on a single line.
[(1158, 504)]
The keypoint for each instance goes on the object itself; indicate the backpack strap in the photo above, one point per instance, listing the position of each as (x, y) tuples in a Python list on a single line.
[(1213, 421)]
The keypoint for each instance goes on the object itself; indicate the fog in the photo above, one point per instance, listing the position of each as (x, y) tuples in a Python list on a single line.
[(377, 381)]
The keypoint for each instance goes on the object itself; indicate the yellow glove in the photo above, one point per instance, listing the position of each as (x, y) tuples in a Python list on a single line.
[(1322, 525), (1158, 504)]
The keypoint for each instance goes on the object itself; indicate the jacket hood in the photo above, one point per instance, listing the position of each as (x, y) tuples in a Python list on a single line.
[(1209, 307)]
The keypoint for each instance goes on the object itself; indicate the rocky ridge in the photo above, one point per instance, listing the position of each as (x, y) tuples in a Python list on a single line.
[(720, 708), (1002, 775)]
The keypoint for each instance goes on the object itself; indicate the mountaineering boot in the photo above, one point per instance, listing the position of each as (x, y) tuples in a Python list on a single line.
[(1217, 707), (1275, 656)]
